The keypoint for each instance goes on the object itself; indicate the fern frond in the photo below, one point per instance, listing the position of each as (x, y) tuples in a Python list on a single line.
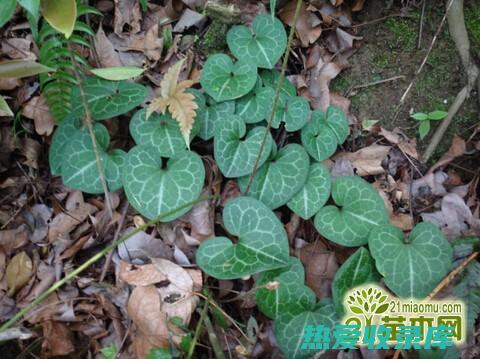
[(54, 52)]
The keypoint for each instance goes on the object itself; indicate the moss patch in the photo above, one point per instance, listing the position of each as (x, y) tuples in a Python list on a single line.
[(215, 39), (472, 21), (404, 33)]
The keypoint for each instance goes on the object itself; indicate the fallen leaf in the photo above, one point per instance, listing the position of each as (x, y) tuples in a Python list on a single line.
[(142, 246), (127, 16), (18, 48), (107, 56), (457, 149), (366, 161), (200, 220), (148, 43), (308, 26), (320, 268), (358, 5), (31, 149), (18, 272), (13, 239), (142, 275), (76, 212), (455, 218), (58, 339), (38, 110), (190, 19), (181, 104), (320, 77)]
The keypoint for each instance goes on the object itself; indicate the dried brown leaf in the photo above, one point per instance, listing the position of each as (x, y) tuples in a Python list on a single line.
[(76, 212), (13, 239), (143, 275), (308, 26), (59, 340), (107, 56), (127, 17), (37, 109), (368, 160), (457, 149)]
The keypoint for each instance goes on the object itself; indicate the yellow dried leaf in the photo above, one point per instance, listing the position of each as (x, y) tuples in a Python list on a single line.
[(182, 105), (18, 272)]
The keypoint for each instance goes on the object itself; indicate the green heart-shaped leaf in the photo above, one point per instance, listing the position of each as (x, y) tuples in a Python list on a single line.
[(64, 132), (290, 331), (280, 178), (107, 99), (224, 80), (414, 267), (158, 131), (262, 242), (236, 157), (289, 295), (358, 269), (324, 133), (153, 188), (270, 79), (79, 165), (362, 210), (262, 45), (314, 193), (209, 113), (256, 106), (293, 111)]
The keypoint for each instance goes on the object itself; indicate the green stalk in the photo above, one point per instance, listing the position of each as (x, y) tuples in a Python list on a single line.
[(89, 262), (277, 93)]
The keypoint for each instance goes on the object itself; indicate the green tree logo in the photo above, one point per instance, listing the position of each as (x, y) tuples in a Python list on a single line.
[(368, 302)]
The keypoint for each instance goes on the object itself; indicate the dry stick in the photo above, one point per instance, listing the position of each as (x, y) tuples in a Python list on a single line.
[(458, 32), (89, 262), (277, 94), (88, 121), (374, 83), (430, 48), (451, 276), (115, 237), (420, 29)]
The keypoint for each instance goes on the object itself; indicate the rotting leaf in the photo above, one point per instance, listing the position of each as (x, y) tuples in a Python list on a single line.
[(37, 109), (180, 103), (18, 272)]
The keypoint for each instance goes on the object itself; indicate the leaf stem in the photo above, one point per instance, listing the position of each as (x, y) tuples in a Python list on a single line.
[(88, 121), (203, 314), (277, 93), (92, 260)]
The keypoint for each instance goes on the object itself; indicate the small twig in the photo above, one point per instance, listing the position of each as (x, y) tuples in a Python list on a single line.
[(88, 121), (277, 94), (451, 276), (420, 29), (212, 337), (115, 237), (198, 329), (374, 83), (71, 275), (430, 48)]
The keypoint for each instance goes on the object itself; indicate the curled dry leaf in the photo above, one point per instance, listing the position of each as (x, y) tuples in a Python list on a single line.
[(200, 220), (37, 109), (308, 26), (18, 272), (142, 275), (149, 43), (320, 77), (368, 160), (151, 308), (76, 212), (141, 246)]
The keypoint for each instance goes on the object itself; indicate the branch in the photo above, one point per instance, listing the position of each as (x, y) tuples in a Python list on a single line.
[(277, 94), (88, 121)]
